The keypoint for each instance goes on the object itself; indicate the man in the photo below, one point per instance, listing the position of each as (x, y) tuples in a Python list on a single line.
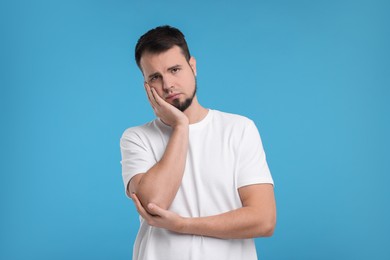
[(198, 177)]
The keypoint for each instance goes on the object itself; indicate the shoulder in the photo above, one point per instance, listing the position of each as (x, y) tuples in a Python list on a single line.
[(142, 131), (231, 120)]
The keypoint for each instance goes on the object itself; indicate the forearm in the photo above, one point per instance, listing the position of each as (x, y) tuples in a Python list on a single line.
[(245, 222), (160, 183), (256, 218)]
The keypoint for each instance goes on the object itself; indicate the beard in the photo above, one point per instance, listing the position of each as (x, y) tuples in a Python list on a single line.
[(182, 106)]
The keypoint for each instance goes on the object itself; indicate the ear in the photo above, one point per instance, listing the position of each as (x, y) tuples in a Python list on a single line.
[(192, 63)]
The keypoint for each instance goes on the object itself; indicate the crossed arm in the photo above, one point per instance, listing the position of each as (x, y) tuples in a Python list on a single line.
[(161, 182), (154, 191), (256, 217)]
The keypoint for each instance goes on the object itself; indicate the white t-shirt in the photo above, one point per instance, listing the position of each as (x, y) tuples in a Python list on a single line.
[(225, 153)]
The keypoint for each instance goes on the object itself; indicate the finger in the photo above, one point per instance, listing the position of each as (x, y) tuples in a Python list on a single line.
[(137, 202), (151, 97), (156, 97), (146, 86), (139, 206), (159, 100), (155, 210)]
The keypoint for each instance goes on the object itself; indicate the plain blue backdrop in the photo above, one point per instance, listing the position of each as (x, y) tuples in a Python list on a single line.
[(313, 75)]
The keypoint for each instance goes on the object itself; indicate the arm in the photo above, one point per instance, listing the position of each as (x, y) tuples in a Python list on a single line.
[(256, 217), (161, 182)]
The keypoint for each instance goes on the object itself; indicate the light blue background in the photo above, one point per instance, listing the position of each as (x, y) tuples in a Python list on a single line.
[(313, 75)]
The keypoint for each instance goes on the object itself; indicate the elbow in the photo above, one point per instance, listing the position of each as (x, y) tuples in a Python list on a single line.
[(267, 224), (266, 228), (156, 201), (147, 194), (146, 198)]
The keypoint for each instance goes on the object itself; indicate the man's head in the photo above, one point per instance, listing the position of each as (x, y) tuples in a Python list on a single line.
[(162, 55), (160, 39)]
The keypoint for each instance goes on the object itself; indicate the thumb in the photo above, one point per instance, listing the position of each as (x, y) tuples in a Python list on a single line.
[(155, 210)]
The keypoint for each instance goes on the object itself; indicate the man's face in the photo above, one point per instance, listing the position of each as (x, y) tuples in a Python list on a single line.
[(171, 76)]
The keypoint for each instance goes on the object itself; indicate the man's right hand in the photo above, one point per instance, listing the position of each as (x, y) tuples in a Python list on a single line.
[(169, 114), (160, 183)]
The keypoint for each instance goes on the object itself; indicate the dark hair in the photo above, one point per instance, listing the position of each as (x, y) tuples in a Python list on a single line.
[(161, 39)]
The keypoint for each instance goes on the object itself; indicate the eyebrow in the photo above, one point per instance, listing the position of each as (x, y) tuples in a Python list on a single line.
[(169, 69), (174, 67)]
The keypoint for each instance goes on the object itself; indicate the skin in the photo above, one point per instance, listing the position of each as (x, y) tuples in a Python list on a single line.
[(178, 77), (154, 190)]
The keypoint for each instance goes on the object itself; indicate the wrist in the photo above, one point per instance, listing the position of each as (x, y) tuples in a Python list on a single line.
[(181, 121), (184, 225), (181, 125)]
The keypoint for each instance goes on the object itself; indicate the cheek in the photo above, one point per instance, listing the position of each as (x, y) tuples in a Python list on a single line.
[(190, 79), (193, 82), (160, 92)]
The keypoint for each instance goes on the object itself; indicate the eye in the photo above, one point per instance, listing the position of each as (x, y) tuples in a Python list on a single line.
[(154, 78), (175, 70)]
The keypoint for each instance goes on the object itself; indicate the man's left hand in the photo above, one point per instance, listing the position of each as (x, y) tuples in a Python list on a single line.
[(158, 217)]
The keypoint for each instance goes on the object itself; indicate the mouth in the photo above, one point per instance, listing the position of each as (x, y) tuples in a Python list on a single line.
[(172, 96)]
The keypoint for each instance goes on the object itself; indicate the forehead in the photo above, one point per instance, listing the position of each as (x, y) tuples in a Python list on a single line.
[(152, 62)]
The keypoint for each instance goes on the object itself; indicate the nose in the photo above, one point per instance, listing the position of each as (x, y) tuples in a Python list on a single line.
[(167, 83)]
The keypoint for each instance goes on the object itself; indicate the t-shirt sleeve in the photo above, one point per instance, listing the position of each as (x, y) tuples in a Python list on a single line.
[(135, 157), (252, 164)]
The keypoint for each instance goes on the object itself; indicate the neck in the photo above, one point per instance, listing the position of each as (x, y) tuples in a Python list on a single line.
[(195, 112)]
